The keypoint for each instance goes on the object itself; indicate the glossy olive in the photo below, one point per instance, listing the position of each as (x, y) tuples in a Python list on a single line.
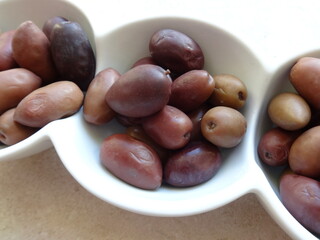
[(49, 24), (191, 90), (72, 53), (170, 128), (194, 164), (176, 51), (140, 92)]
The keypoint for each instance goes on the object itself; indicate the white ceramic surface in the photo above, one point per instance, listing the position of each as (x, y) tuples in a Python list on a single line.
[(118, 42)]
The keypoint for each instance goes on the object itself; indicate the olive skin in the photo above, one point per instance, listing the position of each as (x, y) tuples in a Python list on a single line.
[(196, 163), (6, 56), (305, 77), (191, 90), (223, 126), (304, 155), (229, 91), (196, 117), (170, 128), (15, 84), (12, 132), (140, 92), (132, 161), (49, 24), (138, 133), (274, 146), (31, 50), (51, 102), (95, 108), (301, 196), (144, 60), (175, 51), (72, 53), (289, 111)]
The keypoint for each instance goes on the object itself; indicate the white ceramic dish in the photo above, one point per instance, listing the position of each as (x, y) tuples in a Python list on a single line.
[(119, 45)]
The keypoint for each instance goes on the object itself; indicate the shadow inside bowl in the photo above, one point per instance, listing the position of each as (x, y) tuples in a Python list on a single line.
[(13, 13), (119, 49)]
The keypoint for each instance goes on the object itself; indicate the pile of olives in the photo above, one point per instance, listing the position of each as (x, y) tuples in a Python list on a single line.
[(294, 141), (43, 73), (177, 116)]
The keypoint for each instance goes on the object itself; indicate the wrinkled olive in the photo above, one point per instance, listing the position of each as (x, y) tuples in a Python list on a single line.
[(48, 103), (132, 161), (12, 132), (274, 146), (15, 84), (301, 196)]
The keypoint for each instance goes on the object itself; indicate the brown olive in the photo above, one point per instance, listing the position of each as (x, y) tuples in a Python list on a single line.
[(229, 91), (289, 111), (223, 126), (305, 77), (304, 153)]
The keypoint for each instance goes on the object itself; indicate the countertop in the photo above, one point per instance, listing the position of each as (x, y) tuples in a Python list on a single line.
[(40, 200)]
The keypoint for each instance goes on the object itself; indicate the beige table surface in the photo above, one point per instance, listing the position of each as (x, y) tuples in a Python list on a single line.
[(40, 200)]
